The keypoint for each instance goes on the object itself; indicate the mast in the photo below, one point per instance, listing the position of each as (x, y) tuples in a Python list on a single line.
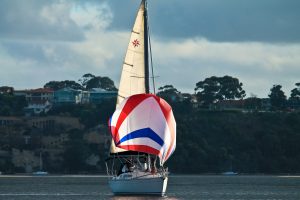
[(146, 47)]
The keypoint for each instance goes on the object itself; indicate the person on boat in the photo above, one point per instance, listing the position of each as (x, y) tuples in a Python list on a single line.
[(122, 169), (153, 166), (125, 168)]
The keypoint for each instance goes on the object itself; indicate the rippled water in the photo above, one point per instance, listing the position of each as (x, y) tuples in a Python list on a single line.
[(180, 187)]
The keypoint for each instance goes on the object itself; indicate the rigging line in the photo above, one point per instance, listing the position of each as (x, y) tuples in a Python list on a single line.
[(146, 47), (151, 60)]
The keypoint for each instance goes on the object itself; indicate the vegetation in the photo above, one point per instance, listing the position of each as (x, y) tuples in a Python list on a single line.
[(87, 82), (252, 140), (215, 141), (12, 105), (277, 97), (56, 85), (90, 81), (215, 89), (76, 153), (295, 93)]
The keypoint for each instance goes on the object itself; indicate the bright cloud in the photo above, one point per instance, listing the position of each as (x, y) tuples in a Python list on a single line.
[(257, 65), (92, 16)]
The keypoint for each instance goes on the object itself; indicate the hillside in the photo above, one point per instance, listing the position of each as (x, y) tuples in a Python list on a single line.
[(209, 142)]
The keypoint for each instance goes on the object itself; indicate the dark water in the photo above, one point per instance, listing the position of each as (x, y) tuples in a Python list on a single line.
[(180, 187)]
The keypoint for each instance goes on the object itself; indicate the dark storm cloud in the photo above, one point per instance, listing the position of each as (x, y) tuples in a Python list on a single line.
[(217, 20), (25, 20)]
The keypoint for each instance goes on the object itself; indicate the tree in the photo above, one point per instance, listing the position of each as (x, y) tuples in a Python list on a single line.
[(253, 103), (214, 89), (76, 152), (295, 93), (277, 97), (231, 88), (12, 105), (6, 90), (169, 93), (56, 85), (85, 78), (100, 82)]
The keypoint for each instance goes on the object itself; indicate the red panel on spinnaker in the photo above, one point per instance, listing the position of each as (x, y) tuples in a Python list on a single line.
[(144, 123)]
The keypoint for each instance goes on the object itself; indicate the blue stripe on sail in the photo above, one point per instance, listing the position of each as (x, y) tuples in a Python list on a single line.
[(146, 132)]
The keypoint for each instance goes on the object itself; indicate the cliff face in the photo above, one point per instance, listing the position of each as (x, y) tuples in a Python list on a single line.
[(207, 142), (262, 142), (24, 139)]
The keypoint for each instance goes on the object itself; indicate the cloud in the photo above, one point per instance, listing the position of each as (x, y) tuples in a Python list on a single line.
[(51, 40), (257, 65), (38, 20), (192, 40), (217, 20)]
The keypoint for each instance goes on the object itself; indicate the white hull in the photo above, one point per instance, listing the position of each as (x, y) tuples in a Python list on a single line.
[(139, 186)]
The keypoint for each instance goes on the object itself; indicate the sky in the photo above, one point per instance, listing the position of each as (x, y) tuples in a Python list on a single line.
[(256, 41)]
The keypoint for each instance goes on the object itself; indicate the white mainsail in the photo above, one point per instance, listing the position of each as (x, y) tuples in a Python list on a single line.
[(133, 71)]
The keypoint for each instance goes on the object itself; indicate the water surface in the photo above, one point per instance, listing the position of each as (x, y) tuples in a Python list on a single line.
[(180, 187)]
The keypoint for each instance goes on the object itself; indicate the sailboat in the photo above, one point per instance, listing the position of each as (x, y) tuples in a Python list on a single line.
[(40, 172), (143, 126)]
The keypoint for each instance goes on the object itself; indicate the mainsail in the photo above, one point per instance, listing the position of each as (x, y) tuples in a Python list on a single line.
[(133, 79), (145, 123), (133, 72)]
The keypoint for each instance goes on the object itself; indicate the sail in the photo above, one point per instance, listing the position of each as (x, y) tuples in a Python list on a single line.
[(133, 71), (144, 123)]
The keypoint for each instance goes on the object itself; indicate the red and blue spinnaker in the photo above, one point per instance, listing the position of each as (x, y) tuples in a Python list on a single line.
[(144, 123)]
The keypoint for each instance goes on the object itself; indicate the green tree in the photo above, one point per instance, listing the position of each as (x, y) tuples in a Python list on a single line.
[(208, 90), (169, 93), (277, 97), (231, 88), (6, 90), (56, 85), (85, 78), (214, 89), (253, 103), (295, 93), (76, 152), (100, 82), (12, 105)]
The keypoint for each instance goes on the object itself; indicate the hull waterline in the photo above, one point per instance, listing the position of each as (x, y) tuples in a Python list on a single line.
[(139, 186)]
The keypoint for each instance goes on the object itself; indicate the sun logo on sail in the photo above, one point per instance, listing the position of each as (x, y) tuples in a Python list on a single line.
[(136, 43)]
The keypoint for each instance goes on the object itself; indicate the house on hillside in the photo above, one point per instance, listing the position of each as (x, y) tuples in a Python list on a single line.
[(230, 104), (67, 96), (97, 95), (37, 107), (39, 95), (39, 100)]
